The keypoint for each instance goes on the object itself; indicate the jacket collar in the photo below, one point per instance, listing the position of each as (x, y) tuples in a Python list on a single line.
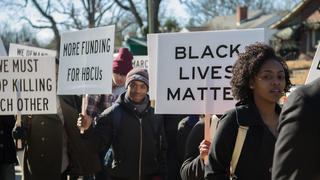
[(247, 113), (129, 106)]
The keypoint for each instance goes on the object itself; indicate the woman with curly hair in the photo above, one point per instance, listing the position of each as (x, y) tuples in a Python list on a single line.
[(259, 80)]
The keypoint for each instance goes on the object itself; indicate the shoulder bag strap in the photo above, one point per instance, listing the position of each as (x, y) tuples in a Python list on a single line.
[(242, 132)]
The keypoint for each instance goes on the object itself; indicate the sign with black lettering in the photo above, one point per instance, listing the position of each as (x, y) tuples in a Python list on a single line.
[(152, 42), (314, 71), (194, 70), (28, 51), (3, 51), (140, 61), (86, 59), (27, 85)]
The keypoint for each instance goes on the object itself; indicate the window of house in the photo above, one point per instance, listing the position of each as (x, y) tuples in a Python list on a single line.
[(317, 37)]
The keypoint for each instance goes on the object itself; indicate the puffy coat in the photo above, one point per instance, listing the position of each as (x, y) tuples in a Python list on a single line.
[(138, 146)]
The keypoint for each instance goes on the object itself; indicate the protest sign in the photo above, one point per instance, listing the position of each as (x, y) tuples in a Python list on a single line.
[(86, 58), (28, 51), (3, 51), (152, 42), (140, 61), (27, 85), (314, 71), (194, 70)]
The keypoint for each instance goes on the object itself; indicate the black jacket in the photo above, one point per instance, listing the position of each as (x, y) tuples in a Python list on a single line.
[(7, 146), (139, 139), (174, 162), (256, 157), (297, 150), (182, 135), (193, 166), (44, 142)]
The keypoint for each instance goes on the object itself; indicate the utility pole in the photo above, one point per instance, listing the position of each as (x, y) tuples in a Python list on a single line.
[(151, 18)]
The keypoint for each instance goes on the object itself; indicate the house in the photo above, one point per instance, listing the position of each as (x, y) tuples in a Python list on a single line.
[(298, 31), (242, 19)]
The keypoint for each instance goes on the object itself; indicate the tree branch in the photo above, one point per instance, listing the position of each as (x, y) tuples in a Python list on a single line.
[(99, 18), (122, 6), (35, 26)]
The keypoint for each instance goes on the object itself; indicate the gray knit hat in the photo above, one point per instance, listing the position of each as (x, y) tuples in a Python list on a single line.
[(137, 74)]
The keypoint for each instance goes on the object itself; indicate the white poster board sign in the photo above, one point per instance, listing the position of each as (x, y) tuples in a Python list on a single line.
[(194, 70), (3, 51), (86, 59), (152, 43), (314, 71), (27, 51), (140, 61), (27, 85)]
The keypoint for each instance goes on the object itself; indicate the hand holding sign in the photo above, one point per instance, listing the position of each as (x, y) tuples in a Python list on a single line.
[(84, 122), (204, 149)]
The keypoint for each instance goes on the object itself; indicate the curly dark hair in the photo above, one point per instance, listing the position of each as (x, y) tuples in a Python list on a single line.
[(248, 65)]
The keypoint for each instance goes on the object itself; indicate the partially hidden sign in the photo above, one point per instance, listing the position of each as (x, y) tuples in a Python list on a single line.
[(194, 70), (152, 42), (27, 85), (28, 51), (314, 71), (86, 59), (140, 61), (3, 51)]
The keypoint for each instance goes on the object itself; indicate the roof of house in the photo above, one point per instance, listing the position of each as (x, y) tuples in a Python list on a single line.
[(256, 19), (290, 15)]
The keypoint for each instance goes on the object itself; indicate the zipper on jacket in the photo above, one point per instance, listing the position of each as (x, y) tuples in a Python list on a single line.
[(140, 154)]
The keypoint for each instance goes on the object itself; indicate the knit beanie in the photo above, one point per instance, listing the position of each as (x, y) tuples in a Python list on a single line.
[(137, 74), (123, 63)]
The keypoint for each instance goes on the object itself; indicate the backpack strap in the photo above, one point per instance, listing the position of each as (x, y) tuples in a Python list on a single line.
[(241, 136)]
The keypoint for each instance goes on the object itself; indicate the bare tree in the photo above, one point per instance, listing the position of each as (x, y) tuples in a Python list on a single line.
[(47, 14), (90, 13), (59, 15), (46, 11), (25, 35), (138, 13)]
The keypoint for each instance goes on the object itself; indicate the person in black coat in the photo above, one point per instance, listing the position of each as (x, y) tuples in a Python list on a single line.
[(258, 81), (297, 150), (174, 162), (7, 148), (184, 128), (138, 146), (195, 151)]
